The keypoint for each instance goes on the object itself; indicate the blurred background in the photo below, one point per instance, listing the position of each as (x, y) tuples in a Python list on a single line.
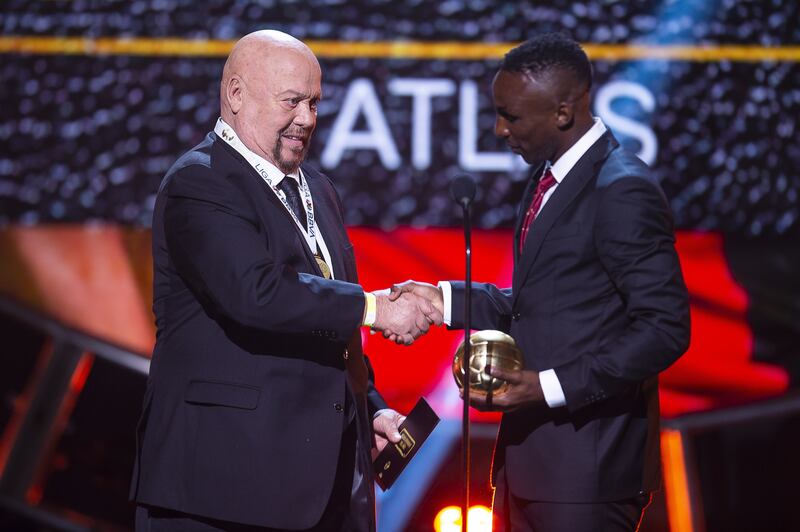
[(99, 98)]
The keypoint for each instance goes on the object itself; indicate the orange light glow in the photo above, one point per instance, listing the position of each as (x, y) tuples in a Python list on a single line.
[(22, 403), (479, 519), (76, 384), (676, 484)]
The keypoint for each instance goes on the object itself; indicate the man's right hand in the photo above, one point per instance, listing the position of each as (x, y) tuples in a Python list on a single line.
[(404, 317), (426, 292)]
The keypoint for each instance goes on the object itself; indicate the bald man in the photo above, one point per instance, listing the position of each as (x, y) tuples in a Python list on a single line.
[(260, 406)]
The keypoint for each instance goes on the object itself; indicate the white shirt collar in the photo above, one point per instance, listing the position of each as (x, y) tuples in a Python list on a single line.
[(567, 161), (224, 131)]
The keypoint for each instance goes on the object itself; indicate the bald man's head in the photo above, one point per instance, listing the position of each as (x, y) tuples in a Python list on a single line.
[(270, 87)]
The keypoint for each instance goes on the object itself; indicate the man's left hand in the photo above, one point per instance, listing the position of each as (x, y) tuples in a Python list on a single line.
[(386, 426), (523, 390)]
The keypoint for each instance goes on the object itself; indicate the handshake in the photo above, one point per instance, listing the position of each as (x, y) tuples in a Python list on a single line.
[(406, 311)]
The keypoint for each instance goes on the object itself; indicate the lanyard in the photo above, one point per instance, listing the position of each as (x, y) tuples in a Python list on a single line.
[(310, 234), (227, 134)]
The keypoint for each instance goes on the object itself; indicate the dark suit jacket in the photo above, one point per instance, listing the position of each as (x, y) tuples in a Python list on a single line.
[(597, 295), (245, 404)]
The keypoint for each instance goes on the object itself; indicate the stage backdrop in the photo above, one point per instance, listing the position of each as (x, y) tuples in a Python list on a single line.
[(100, 98)]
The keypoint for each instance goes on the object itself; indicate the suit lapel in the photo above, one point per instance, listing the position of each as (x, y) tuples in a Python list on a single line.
[(276, 202), (565, 193), (247, 168)]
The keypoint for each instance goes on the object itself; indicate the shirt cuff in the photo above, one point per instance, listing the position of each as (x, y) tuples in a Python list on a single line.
[(447, 300), (551, 387), (372, 309)]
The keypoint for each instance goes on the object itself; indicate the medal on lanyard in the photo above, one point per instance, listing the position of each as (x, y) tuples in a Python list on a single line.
[(323, 266)]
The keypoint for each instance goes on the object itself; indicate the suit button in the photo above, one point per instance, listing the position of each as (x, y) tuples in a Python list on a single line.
[(337, 407), (515, 316)]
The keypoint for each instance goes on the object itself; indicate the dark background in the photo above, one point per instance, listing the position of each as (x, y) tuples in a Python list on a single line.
[(88, 137)]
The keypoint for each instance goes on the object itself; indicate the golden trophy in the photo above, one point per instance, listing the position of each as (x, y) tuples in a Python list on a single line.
[(489, 349)]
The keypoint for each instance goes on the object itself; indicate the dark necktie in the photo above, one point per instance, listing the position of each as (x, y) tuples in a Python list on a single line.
[(291, 190), (542, 186)]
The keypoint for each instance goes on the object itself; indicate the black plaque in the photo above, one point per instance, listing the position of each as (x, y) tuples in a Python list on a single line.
[(394, 458)]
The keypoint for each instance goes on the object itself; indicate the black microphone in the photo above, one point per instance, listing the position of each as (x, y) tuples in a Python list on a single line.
[(462, 189)]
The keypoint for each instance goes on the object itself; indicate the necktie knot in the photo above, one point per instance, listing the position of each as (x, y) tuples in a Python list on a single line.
[(547, 181), (291, 189)]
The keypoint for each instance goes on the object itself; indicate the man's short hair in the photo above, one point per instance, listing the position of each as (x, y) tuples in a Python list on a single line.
[(548, 52)]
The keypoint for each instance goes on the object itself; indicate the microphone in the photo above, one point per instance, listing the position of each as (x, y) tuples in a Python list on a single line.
[(462, 189)]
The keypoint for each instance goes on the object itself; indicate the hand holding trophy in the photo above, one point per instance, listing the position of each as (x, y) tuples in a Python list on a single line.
[(489, 349)]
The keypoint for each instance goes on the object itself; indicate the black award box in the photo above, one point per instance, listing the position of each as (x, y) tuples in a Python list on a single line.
[(394, 458)]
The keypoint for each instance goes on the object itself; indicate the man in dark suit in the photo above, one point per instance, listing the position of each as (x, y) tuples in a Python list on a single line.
[(260, 406), (597, 305)]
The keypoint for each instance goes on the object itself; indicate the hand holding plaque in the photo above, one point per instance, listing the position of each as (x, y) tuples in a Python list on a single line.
[(386, 429), (414, 430)]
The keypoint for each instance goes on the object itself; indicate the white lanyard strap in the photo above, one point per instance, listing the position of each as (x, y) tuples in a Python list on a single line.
[(227, 134), (305, 193)]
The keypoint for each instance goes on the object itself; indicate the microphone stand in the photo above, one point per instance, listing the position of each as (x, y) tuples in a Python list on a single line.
[(462, 189), (465, 442)]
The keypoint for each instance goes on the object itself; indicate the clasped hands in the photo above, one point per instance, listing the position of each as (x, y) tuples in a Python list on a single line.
[(407, 311)]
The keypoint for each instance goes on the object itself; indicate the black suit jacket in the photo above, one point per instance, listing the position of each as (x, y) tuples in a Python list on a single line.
[(597, 295), (246, 401)]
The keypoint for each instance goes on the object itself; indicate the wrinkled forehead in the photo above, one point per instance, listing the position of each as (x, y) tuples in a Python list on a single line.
[(287, 69)]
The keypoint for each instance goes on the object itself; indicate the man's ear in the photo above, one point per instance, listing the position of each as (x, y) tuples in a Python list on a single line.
[(234, 93), (565, 115)]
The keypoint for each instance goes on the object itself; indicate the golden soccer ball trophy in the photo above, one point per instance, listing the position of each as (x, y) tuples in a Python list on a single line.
[(488, 349)]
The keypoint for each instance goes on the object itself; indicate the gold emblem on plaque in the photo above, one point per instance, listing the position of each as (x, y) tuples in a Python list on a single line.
[(406, 443), (323, 267)]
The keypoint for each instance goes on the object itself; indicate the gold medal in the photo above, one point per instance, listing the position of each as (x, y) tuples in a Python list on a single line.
[(323, 267)]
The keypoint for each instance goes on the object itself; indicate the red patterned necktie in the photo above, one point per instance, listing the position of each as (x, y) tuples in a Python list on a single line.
[(542, 186)]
